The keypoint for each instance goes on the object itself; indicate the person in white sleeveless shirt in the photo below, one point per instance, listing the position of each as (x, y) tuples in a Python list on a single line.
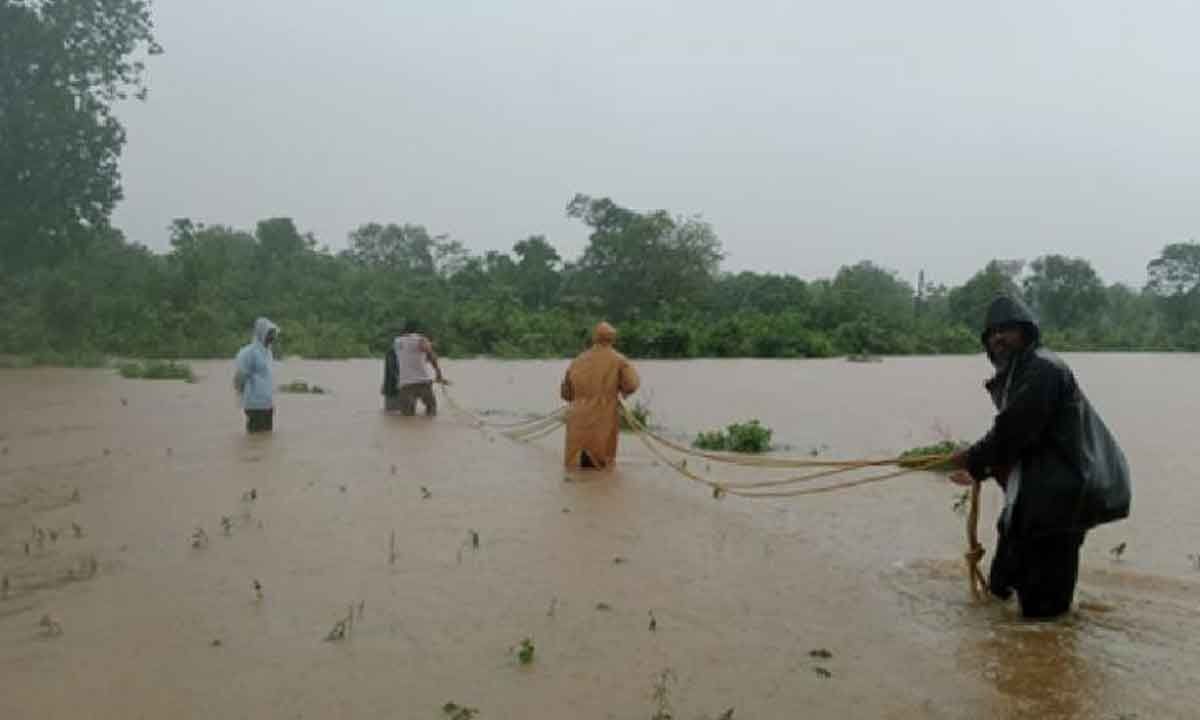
[(410, 369)]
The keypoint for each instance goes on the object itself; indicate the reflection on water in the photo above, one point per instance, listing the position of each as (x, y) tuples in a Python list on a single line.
[(741, 590), (1038, 669), (1075, 668)]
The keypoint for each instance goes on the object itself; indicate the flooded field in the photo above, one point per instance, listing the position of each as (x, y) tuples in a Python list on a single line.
[(850, 604)]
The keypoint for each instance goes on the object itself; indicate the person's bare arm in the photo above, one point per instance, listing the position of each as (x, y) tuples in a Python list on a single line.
[(431, 356)]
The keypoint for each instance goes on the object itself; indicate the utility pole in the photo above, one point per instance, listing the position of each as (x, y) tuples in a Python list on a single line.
[(919, 301)]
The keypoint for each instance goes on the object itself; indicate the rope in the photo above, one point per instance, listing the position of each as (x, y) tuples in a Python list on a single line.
[(775, 462), (975, 551), (756, 489), (542, 425), (522, 430), (910, 463)]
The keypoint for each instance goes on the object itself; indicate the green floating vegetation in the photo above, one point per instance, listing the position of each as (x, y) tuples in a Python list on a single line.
[(913, 457), (525, 651), (301, 387), (747, 437), (454, 711), (641, 414), (157, 370)]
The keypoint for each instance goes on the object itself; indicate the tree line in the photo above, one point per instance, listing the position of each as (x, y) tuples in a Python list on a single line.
[(657, 276), (72, 289)]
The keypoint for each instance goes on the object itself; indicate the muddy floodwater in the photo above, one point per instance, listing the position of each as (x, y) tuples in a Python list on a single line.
[(852, 604)]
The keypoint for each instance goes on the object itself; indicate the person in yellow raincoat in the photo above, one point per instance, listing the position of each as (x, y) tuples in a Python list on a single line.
[(594, 384)]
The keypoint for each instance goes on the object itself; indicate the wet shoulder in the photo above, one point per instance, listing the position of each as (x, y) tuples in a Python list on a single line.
[(1045, 358), (1048, 361)]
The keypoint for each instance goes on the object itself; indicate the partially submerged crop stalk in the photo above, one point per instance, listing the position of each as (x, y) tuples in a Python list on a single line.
[(199, 538), (51, 626)]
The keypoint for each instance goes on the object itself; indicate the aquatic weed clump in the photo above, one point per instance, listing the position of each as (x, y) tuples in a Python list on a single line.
[(917, 457), (748, 437), (157, 370), (302, 388)]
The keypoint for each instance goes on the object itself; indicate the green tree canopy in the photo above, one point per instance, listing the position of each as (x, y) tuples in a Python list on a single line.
[(969, 302), (649, 256), (1064, 292), (64, 64)]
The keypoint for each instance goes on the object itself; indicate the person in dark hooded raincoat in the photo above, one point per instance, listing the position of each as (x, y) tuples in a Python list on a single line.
[(1061, 469)]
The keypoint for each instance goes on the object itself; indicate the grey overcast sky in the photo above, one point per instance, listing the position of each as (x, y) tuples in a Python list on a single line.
[(929, 134)]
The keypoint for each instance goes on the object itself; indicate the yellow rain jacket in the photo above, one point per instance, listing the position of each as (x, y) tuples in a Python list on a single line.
[(593, 385)]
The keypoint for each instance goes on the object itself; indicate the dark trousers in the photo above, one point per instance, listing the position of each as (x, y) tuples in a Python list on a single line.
[(260, 420), (1043, 571), (405, 400)]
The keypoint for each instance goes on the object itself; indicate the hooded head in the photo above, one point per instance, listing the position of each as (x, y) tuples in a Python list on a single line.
[(1005, 313), (604, 334), (264, 328)]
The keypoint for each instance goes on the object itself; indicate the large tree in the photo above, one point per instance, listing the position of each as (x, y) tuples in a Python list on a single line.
[(969, 302), (537, 272), (641, 262), (64, 65), (1174, 279), (1066, 293), (866, 290)]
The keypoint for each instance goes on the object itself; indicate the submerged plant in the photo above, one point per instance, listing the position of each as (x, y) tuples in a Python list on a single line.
[(641, 415), (338, 632), (525, 651), (454, 711), (661, 695), (51, 626), (301, 387), (199, 538)]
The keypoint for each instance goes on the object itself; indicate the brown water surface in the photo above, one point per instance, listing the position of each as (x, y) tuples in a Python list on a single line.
[(741, 591)]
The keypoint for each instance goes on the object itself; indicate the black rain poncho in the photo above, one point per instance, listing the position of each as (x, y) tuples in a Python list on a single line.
[(1073, 475)]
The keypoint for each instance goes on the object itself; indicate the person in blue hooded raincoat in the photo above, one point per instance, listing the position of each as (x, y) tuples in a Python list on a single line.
[(252, 377)]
